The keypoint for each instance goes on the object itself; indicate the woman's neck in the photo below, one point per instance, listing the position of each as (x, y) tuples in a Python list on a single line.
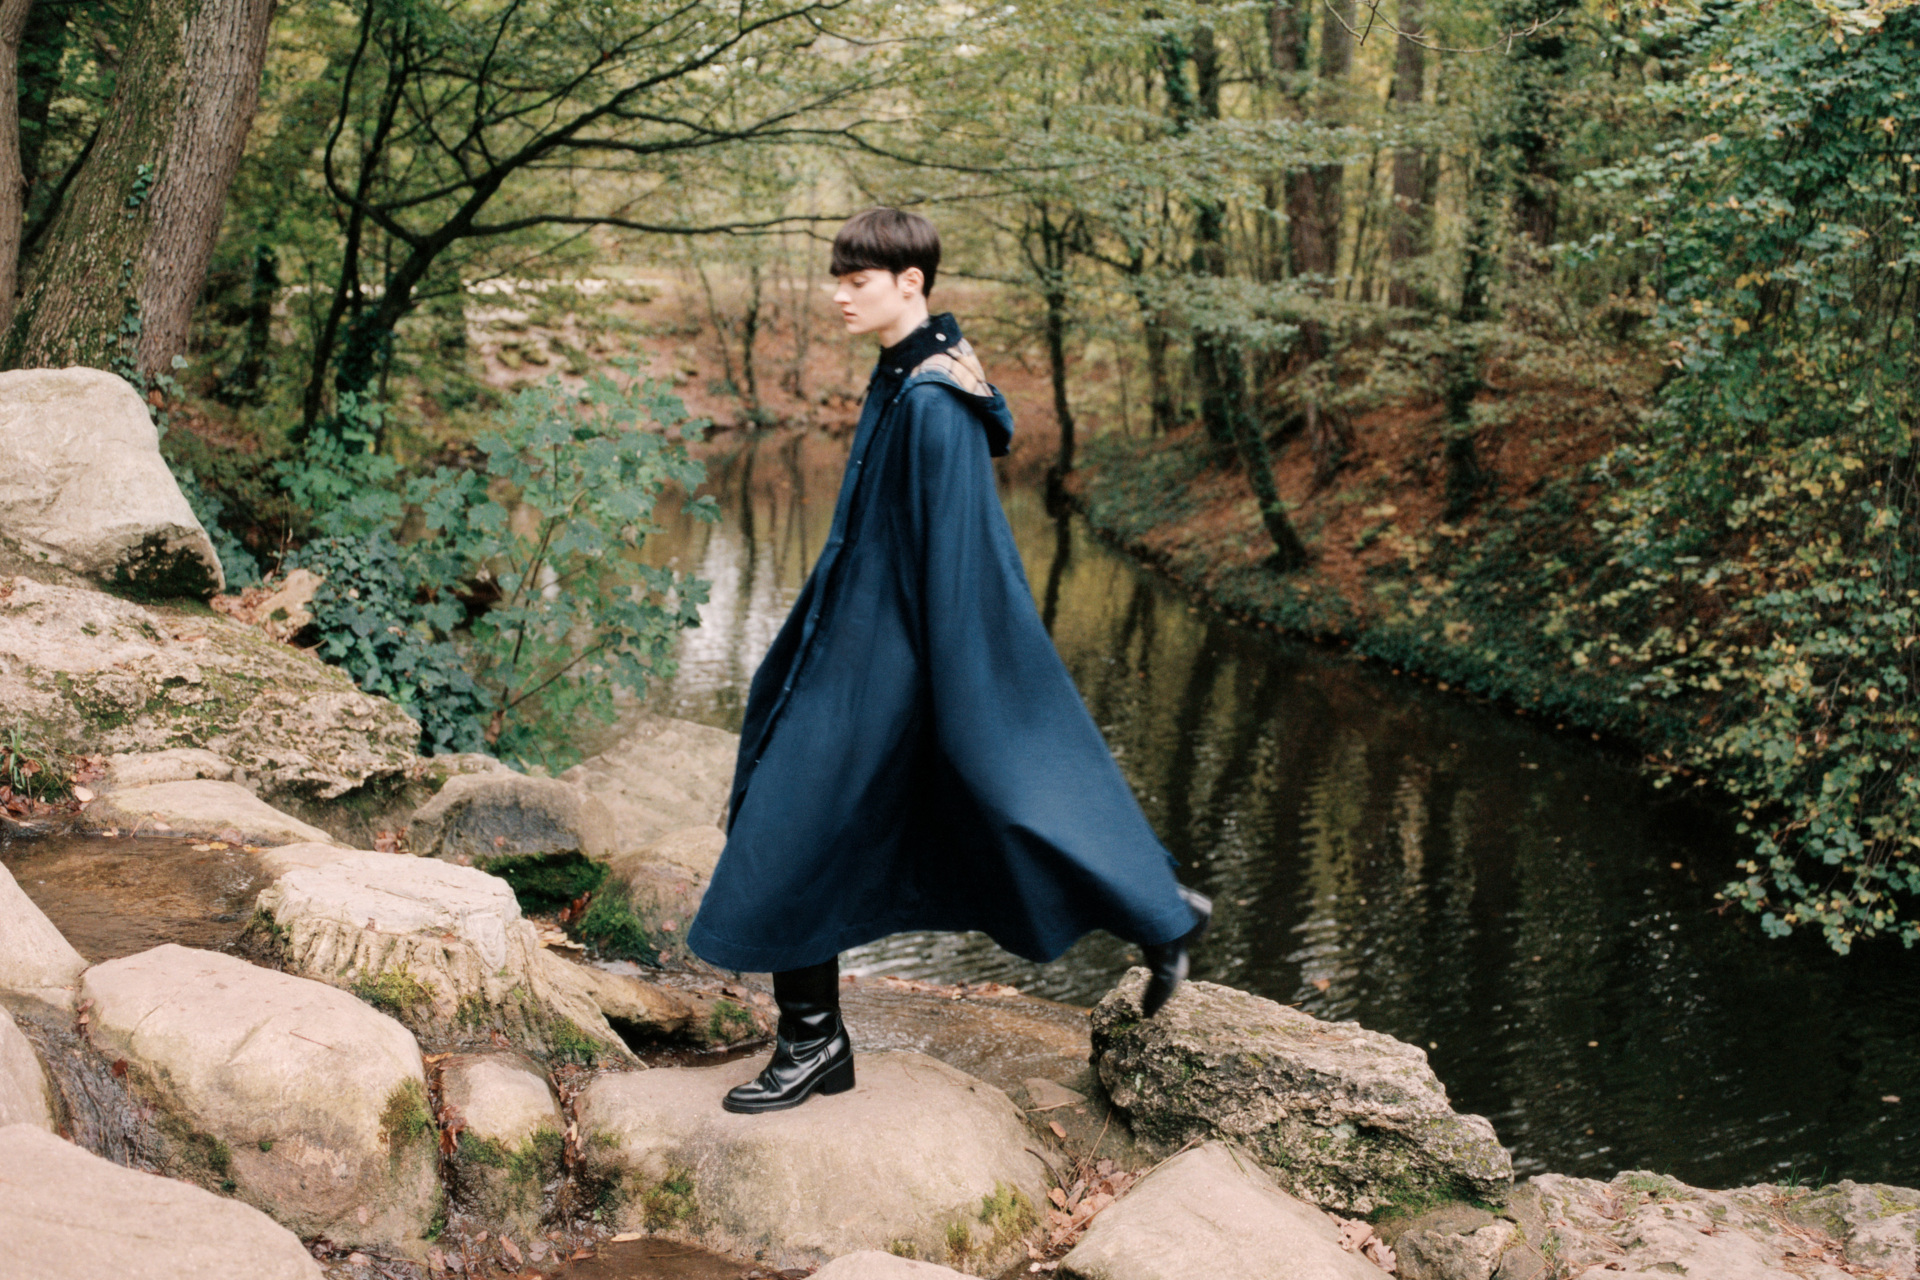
[(912, 318)]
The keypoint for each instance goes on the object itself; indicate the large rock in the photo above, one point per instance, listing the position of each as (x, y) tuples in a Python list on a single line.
[(918, 1158), (509, 1144), (1644, 1224), (70, 1214), (85, 486), (479, 818), (1455, 1242), (664, 881), (206, 809), (442, 947), (35, 961), (298, 1098), (1880, 1224), (662, 776), (1346, 1118), (95, 673), (1208, 1213), (24, 1098)]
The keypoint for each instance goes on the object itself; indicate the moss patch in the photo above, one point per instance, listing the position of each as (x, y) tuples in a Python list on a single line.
[(612, 929), (669, 1202), (546, 882), (730, 1022), (405, 1119), (1008, 1212), (394, 991)]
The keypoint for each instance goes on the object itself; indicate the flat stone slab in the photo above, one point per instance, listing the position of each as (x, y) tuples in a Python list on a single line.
[(23, 1081), (1645, 1225), (78, 1217), (311, 1103), (1209, 1213), (1345, 1118), (442, 947), (95, 673), (207, 809), (871, 1264), (35, 960), (918, 1156), (663, 775), (177, 764), (280, 859)]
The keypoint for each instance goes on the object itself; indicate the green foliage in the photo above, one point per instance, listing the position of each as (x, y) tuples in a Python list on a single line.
[(1764, 527), (499, 605), (236, 562), (612, 929), (28, 768)]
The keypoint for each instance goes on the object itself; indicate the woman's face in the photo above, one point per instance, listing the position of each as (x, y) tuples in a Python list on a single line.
[(874, 301)]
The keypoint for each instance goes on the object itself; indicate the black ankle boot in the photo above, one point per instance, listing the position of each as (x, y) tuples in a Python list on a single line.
[(1169, 960), (811, 1053)]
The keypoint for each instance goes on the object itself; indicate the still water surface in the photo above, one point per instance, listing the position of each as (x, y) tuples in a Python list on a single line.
[(1516, 900)]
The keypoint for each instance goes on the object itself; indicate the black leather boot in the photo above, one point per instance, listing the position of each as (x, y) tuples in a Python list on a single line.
[(1169, 960), (811, 1051)]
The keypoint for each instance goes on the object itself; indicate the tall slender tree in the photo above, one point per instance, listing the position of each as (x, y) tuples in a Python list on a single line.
[(126, 255)]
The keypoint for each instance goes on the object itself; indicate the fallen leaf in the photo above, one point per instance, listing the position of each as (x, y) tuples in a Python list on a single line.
[(581, 1255), (1058, 1132), (1321, 984), (627, 1237), (83, 795), (511, 1249), (1889, 1097), (436, 1260)]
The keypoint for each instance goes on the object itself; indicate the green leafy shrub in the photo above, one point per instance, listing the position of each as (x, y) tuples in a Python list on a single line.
[(501, 603)]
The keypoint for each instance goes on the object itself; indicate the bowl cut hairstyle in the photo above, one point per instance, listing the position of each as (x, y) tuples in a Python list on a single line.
[(887, 240)]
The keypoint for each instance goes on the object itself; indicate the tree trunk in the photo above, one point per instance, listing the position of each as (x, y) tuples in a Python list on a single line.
[(13, 177), (1410, 232), (127, 255), (243, 384)]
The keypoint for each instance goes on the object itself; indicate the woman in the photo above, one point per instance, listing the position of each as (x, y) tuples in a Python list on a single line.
[(914, 754)]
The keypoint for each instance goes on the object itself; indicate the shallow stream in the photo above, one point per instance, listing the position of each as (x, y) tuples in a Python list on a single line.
[(1517, 900)]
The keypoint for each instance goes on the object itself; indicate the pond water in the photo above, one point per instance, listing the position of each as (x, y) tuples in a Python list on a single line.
[(1518, 901)]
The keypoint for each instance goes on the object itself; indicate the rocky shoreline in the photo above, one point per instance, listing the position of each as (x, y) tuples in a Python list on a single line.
[(404, 1066)]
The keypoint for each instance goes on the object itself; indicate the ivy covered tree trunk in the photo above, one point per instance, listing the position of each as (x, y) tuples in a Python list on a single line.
[(1410, 230), (115, 283), (13, 177)]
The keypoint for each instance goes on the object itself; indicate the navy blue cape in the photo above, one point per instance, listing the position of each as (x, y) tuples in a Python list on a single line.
[(914, 754)]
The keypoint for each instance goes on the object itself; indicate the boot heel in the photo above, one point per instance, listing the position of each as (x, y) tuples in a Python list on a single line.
[(838, 1080)]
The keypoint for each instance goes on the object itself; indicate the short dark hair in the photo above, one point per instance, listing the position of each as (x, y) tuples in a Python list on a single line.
[(887, 240)]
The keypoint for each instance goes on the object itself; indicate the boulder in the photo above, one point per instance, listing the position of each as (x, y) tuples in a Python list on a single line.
[(483, 818), (85, 486), (663, 775), (664, 881), (509, 1143), (1880, 1224), (1346, 1118), (297, 1098), (35, 960), (871, 1264), (918, 1159), (204, 809), (95, 673), (1452, 1242), (443, 948), (79, 1217), (179, 764), (636, 1007), (1212, 1212), (24, 1098)]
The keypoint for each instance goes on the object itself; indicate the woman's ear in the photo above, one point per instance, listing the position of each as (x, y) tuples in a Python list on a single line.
[(913, 282)]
